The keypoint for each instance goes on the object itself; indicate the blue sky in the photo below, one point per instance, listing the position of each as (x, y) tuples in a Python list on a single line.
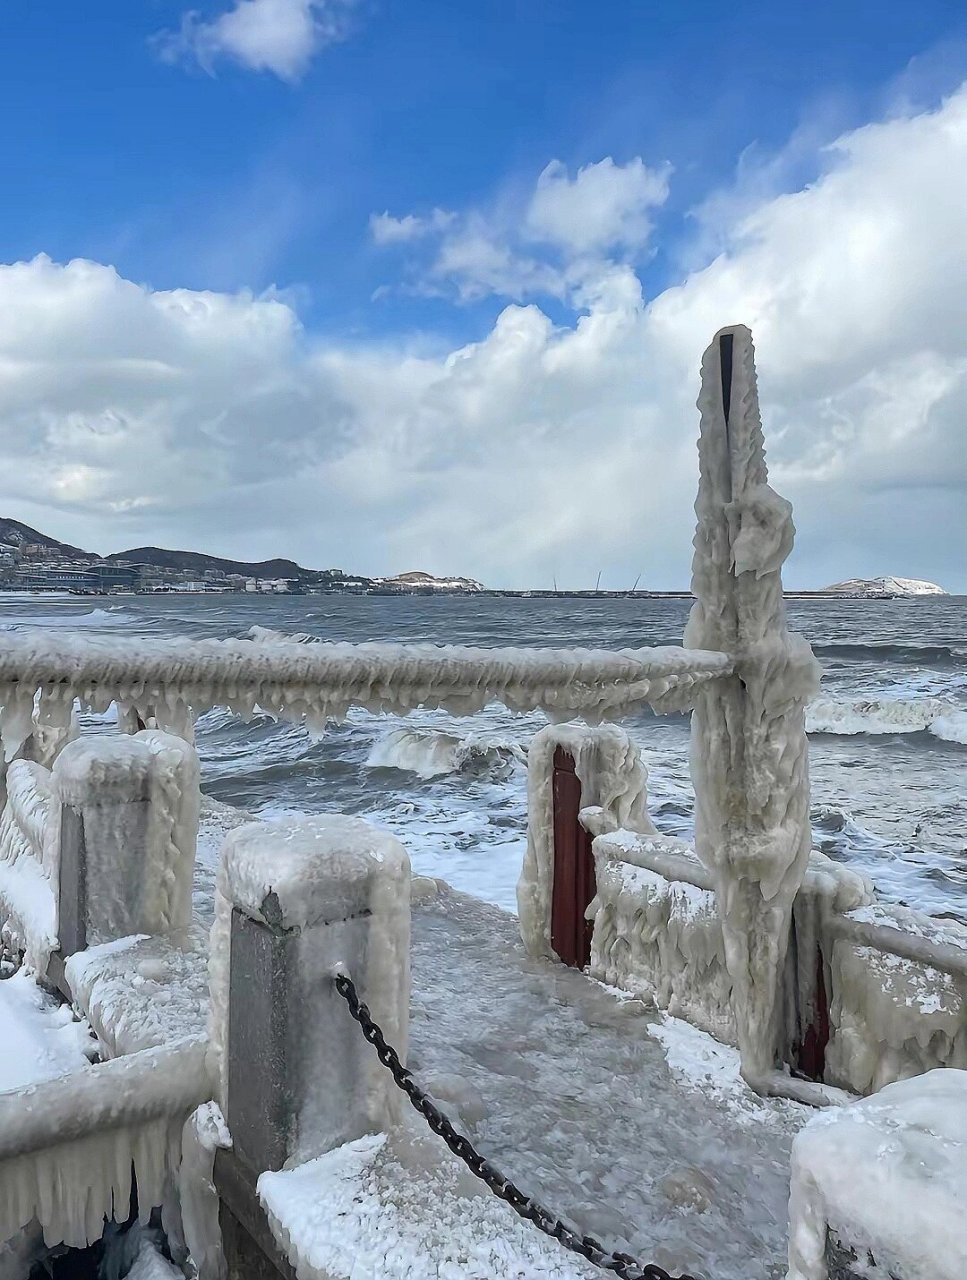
[(184, 165)]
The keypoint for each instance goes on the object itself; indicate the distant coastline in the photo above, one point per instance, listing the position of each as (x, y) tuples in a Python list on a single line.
[(32, 563)]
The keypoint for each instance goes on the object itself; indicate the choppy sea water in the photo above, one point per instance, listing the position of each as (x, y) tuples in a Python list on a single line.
[(888, 732)]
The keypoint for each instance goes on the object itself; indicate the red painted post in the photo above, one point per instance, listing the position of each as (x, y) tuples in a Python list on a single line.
[(574, 884), (810, 1053)]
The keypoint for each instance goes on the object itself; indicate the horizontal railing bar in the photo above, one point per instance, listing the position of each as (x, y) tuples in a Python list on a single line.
[(331, 677)]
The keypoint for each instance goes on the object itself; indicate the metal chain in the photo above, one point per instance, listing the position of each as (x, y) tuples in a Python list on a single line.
[(620, 1264)]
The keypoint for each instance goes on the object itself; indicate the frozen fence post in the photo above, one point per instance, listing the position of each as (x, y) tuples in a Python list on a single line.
[(878, 1187), (749, 753), (570, 767), (297, 901), (125, 842)]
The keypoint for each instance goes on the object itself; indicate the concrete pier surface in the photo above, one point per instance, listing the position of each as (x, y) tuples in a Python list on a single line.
[(634, 1127)]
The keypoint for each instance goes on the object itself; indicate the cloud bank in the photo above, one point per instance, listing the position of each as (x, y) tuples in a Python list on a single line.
[(129, 415)]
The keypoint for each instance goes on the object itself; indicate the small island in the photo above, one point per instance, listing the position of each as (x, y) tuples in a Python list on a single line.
[(883, 588)]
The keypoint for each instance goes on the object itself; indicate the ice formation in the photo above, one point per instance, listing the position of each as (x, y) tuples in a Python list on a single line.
[(28, 903), (899, 997), (613, 778), (204, 1134), (169, 682), (749, 752), (888, 1177), (317, 877), (143, 992), (657, 932), (142, 790), (67, 1154)]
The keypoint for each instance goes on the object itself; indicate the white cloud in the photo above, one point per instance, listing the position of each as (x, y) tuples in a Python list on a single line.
[(280, 36), (385, 229), (605, 207), (552, 241), (131, 416)]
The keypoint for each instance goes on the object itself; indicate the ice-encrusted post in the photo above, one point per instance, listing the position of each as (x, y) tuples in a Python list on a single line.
[(878, 1188), (126, 821), (749, 757), (298, 902)]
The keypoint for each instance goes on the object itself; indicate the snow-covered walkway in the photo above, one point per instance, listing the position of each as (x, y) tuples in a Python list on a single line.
[(634, 1127)]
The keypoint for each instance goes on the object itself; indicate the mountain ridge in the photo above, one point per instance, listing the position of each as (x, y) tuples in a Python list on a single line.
[(17, 534)]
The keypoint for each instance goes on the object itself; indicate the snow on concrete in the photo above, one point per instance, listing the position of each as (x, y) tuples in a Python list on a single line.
[(707, 1066), (40, 1038), (313, 876), (106, 778), (144, 991), (887, 1175), (403, 1210)]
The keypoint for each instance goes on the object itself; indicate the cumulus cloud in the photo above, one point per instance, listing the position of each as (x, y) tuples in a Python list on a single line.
[(128, 415), (548, 242), (280, 36), (606, 206)]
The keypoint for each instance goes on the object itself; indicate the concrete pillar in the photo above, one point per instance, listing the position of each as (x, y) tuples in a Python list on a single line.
[(879, 1187), (302, 900), (127, 815)]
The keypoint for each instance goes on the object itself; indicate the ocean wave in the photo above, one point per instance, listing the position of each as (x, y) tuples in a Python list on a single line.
[(942, 655), (110, 617), (431, 753), (888, 716), (951, 727)]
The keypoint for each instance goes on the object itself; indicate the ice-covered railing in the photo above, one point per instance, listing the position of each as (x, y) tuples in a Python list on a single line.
[(170, 681), (28, 905)]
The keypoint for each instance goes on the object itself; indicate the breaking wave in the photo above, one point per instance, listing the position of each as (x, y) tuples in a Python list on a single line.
[(431, 753), (889, 716)]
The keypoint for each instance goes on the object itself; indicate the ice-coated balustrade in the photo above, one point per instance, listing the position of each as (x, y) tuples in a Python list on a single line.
[(171, 681)]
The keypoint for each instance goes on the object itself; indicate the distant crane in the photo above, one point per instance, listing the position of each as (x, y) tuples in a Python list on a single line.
[(635, 587), (597, 585)]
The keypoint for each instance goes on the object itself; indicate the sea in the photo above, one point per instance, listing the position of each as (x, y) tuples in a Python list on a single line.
[(887, 733)]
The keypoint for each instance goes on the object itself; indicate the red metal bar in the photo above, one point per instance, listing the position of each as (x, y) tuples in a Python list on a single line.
[(574, 884)]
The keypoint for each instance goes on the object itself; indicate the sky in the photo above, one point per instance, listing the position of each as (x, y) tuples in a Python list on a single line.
[(388, 286)]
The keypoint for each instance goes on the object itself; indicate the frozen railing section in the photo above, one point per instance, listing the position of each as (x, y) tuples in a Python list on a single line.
[(100, 847), (298, 902), (28, 903), (868, 993), (168, 682), (100, 850)]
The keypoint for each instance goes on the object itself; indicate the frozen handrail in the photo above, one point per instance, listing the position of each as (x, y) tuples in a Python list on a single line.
[(317, 682), (132, 1090)]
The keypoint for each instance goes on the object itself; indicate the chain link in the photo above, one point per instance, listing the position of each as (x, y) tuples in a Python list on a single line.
[(619, 1264)]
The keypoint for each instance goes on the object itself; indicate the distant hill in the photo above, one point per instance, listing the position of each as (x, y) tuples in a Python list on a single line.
[(199, 561), (888, 586), (16, 534), (13, 533), (417, 580)]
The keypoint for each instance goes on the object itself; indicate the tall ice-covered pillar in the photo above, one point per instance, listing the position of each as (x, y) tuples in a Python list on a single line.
[(749, 755)]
